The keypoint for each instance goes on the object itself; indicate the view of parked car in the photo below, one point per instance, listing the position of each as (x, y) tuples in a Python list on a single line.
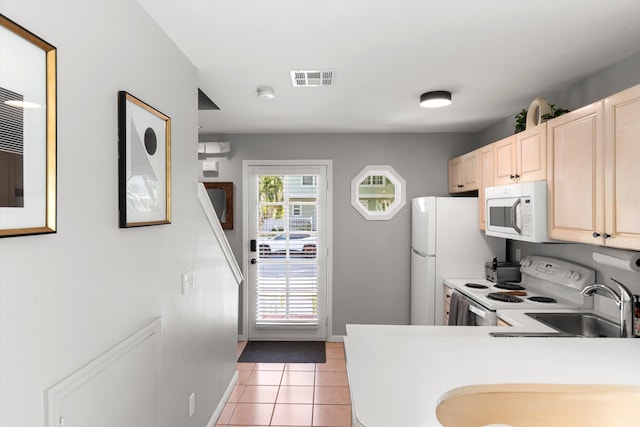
[(299, 244)]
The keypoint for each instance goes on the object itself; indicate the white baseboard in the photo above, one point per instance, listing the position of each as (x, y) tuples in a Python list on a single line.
[(223, 401)]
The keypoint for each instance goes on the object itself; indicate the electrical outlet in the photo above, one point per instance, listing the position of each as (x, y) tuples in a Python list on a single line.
[(192, 404)]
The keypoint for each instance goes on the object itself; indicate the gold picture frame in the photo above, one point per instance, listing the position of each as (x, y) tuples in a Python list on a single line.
[(144, 164), (28, 132)]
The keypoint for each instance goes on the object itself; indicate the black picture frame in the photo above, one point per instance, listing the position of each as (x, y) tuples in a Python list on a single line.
[(144, 163)]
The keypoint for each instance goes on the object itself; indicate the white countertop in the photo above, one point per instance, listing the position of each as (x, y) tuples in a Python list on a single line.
[(398, 373)]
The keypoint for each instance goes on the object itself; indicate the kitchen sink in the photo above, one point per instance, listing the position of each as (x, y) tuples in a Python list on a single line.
[(532, 334), (588, 325)]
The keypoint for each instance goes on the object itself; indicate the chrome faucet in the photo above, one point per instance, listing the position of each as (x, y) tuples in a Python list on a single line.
[(624, 302)]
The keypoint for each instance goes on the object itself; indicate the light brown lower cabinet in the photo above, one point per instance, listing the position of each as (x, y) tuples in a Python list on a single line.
[(447, 303)]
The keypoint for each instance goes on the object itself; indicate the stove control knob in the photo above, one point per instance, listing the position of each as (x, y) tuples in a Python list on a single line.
[(575, 276), (568, 274)]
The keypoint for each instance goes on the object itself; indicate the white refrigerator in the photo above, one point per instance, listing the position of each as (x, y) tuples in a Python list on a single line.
[(445, 243)]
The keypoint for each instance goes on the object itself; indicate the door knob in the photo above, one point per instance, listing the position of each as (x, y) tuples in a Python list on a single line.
[(253, 261), (596, 234)]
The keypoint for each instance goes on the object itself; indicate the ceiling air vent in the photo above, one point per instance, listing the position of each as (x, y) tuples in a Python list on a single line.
[(313, 78)]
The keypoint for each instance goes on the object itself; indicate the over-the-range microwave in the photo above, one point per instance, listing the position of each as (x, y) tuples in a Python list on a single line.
[(517, 211)]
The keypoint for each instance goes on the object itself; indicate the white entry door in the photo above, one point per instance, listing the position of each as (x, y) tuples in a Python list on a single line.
[(287, 268)]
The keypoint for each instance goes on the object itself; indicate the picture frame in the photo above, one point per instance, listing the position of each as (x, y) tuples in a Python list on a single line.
[(27, 132), (144, 163), (221, 196)]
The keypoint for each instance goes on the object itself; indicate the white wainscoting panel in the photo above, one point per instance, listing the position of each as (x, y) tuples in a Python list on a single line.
[(118, 388)]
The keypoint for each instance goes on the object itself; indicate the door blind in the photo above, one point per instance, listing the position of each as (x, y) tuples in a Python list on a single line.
[(287, 270)]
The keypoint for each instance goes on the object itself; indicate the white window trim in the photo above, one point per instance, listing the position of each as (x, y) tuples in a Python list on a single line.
[(400, 192)]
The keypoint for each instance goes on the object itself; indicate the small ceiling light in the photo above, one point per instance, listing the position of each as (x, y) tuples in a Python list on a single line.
[(435, 99), (266, 92)]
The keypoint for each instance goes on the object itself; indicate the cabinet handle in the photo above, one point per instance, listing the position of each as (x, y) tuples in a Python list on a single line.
[(596, 234), (517, 176), (460, 185), (606, 235), (512, 176)]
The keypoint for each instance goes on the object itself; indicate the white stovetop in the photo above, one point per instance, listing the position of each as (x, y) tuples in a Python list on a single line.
[(567, 298), (398, 373)]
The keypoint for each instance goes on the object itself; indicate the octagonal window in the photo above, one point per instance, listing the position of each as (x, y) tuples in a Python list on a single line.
[(378, 192)]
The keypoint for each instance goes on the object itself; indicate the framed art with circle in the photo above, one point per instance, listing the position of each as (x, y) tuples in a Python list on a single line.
[(144, 164)]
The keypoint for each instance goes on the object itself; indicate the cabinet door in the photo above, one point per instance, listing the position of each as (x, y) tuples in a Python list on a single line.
[(455, 175), (485, 160), (531, 154), (575, 175), (622, 169), (463, 173), (447, 303), (504, 161), (470, 171)]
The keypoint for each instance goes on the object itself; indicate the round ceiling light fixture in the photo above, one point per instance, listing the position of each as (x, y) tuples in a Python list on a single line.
[(435, 99), (266, 92)]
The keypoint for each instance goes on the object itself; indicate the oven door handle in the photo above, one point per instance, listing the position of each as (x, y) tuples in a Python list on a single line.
[(514, 219), (477, 311)]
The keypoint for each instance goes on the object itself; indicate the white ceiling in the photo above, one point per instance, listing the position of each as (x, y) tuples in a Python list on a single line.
[(494, 56)]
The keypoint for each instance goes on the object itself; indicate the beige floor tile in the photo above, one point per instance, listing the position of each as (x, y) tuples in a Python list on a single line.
[(335, 353), (259, 394), (246, 366), (332, 415), (332, 365), (264, 378), (252, 414), (292, 415), (330, 378), (298, 378), (334, 345), (300, 367), (243, 377), (235, 393), (269, 367), (332, 396), (226, 413), (295, 394)]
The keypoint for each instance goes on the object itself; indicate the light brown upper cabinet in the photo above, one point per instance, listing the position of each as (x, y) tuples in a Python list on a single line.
[(463, 173), (521, 157), (575, 150), (485, 160), (594, 171), (622, 169)]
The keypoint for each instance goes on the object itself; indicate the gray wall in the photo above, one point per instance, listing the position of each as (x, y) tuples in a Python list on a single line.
[(365, 290), (370, 258), (613, 79), (66, 298)]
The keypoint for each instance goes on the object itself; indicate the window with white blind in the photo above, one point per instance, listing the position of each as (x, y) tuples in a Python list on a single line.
[(286, 274)]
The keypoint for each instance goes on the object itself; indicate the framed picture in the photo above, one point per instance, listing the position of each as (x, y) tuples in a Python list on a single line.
[(27, 132), (221, 195), (144, 175)]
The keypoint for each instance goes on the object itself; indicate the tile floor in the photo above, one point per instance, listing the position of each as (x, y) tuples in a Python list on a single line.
[(290, 394)]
